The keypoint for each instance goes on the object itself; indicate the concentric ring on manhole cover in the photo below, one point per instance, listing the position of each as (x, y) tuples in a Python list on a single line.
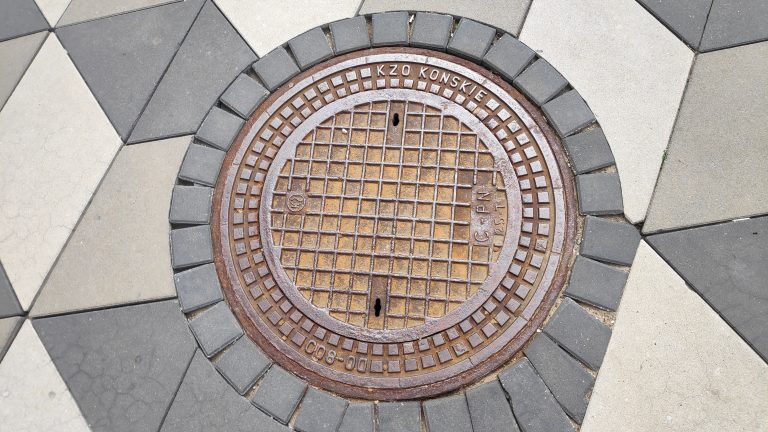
[(393, 224)]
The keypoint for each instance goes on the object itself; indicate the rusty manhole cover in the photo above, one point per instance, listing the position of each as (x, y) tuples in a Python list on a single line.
[(393, 224)]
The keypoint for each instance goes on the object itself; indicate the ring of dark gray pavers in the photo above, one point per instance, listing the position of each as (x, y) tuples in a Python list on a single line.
[(545, 390)]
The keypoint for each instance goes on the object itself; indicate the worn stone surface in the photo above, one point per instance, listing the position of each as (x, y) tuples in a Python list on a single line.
[(198, 287), (67, 135), (19, 18), (489, 409), (599, 194), (242, 364), (673, 364), (310, 48), (9, 304), (201, 164), (431, 30), (191, 205), (579, 333), (390, 28), (219, 128), (215, 328), (735, 22), (320, 412), (8, 329), (715, 166), (276, 68), (609, 241), (191, 246), (350, 34), (279, 393), (595, 283), (357, 418), (123, 365), (471, 39), (540, 82), (105, 263), (568, 113), (588, 151), (86, 10), (686, 18), (15, 57), (447, 414), (614, 52), (508, 57), (726, 265), (244, 95), (399, 417)]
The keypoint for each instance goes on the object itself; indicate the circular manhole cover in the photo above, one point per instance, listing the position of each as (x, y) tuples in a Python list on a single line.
[(393, 224)]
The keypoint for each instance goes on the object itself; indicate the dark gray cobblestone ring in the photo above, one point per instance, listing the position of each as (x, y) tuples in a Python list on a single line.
[(544, 389)]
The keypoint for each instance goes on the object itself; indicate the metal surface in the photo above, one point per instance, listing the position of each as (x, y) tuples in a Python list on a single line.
[(393, 224)]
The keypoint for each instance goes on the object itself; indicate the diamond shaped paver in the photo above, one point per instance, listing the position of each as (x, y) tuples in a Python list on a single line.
[(609, 241), (448, 414), (191, 246), (471, 39), (244, 95), (215, 328), (399, 417), (350, 34), (191, 205), (198, 287), (390, 28), (219, 128), (201, 164), (279, 393), (358, 418), (310, 48), (600, 194), (242, 364), (508, 56), (489, 409), (579, 333), (589, 151), (568, 113), (275, 68), (595, 283), (320, 412), (540, 82), (431, 30)]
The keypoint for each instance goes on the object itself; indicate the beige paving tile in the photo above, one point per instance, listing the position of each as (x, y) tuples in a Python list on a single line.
[(265, 24), (631, 71), (33, 397), (86, 10), (673, 364), (119, 251), (52, 9), (55, 145), (15, 56)]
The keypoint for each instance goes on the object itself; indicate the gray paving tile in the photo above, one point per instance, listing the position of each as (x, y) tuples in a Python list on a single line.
[(508, 57), (727, 265), (735, 22), (275, 68), (205, 402), (320, 412), (540, 82), (198, 287), (244, 95), (358, 418), (121, 365), (448, 414), (212, 55), (431, 30), (215, 328), (191, 205), (8, 329), (579, 333), (589, 151), (242, 364), (201, 164), (19, 18), (596, 284), (15, 56), (471, 39), (536, 410), (310, 48), (350, 34), (399, 417), (279, 393), (86, 10), (566, 378), (219, 128), (489, 409), (568, 113), (600, 194), (686, 18), (191, 246), (9, 304), (122, 58), (609, 241), (390, 28)]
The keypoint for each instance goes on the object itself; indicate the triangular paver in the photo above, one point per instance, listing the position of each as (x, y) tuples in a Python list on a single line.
[(86, 10), (52, 9), (19, 18), (15, 56), (686, 18)]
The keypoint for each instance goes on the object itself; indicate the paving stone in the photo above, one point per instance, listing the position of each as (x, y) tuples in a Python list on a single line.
[(9, 304), (714, 174), (596, 283), (52, 9), (123, 58), (629, 68), (215, 328), (358, 418), (275, 68), (68, 135), (600, 194), (191, 246), (568, 113), (579, 333), (431, 30), (350, 34), (320, 412), (726, 265), (19, 18), (15, 56), (686, 18), (499, 13), (588, 151), (471, 39), (205, 402), (310, 48), (609, 241), (448, 414), (198, 287), (279, 393), (390, 28), (35, 398), (191, 205), (122, 365), (566, 378), (673, 364), (536, 410), (489, 409), (508, 57), (540, 82), (8, 329), (735, 22), (399, 417), (86, 10), (219, 128), (133, 198), (201, 165), (242, 364), (244, 95), (212, 55)]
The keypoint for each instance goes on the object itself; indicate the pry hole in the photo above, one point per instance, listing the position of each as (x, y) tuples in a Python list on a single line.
[(396, 119), (377, 307)]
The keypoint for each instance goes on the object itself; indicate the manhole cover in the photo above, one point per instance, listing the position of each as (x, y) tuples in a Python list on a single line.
[(393, 224)]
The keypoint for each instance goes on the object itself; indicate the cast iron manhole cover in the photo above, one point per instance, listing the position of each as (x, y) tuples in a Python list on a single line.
[(393, 224)]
